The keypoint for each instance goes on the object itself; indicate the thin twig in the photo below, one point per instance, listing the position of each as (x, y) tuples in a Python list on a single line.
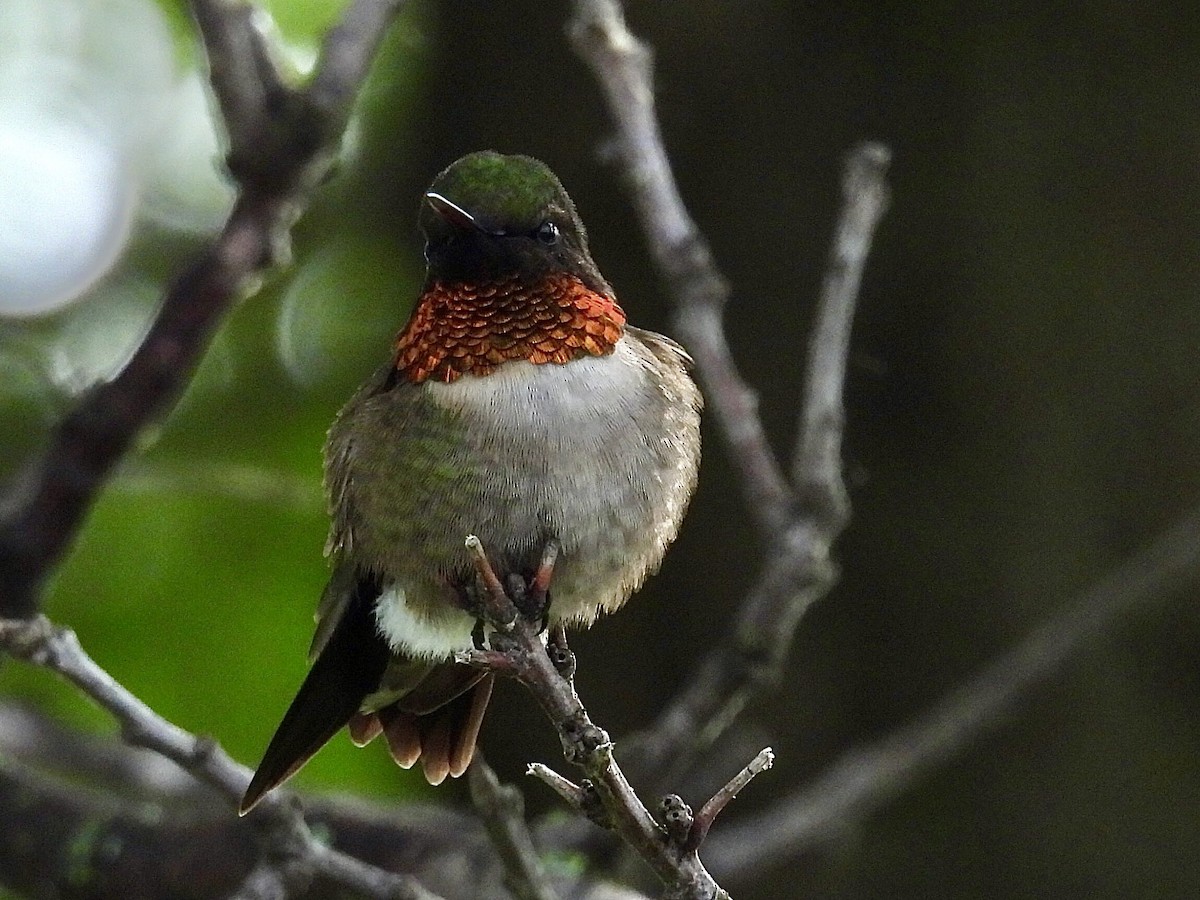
[(347, 52), (282, 141), (703, 820), (520, 652), (800, 518), (40, 643), (568, 790), (622, 65), (799, 570), (864, 780), (817, 465), (244, 79), (502, 810)]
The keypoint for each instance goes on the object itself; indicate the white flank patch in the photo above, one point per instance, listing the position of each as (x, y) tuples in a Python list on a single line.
[(418, 637)]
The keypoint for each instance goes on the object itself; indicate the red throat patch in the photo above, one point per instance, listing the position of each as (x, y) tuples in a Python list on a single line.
[(461, 328)]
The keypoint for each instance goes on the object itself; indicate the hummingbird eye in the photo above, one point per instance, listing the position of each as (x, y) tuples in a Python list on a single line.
[(547, 233)]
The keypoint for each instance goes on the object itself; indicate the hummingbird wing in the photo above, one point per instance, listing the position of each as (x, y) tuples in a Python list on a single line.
[(427, 711), (349, 666), (667, 350)]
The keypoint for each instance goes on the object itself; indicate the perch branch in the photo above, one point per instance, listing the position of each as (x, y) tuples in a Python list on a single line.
[(284, 831), (518, 650)]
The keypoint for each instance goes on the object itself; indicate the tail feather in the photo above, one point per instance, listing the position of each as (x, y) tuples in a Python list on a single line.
[(441, 735), (348, 669), (462, 749)]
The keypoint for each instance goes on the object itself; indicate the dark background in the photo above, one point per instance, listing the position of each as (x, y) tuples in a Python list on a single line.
[(1023, 413)]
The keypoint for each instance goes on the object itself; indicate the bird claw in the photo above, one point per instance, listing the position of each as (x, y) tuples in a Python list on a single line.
[(499, 603), (539, 585)]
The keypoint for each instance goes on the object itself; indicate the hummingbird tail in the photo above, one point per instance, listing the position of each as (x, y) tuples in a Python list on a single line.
[(348, 669), (442, 738)]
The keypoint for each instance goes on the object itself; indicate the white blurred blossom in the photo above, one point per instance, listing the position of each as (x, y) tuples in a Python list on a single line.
[(99, 128)]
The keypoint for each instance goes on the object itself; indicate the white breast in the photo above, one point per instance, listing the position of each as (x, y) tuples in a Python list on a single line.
[(597, 453), (533, 399)]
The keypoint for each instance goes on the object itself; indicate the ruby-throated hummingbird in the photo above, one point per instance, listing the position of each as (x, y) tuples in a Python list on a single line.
[(517, 406)]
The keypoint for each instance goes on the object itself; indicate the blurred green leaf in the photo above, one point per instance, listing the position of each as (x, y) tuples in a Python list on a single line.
[(195, 577)]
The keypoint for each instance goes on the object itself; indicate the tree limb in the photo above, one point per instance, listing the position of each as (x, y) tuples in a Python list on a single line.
[(296, 851), (281, 143), (864, 780), (800, 517), (502, 809)]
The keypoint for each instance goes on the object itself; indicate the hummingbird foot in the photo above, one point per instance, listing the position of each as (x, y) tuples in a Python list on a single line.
[(499, 603), (536, 605), (533, 606), (496, 606), (518, 592)]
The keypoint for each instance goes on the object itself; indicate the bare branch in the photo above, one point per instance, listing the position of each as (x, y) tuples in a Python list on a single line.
[(346, 54), (244, 79), (518, 651), (282, 140), (799, 569), (817, 467), (503, 812), (568, 790), (622, 66), (800, 519), (38, 642), (715, 806), (74, 796), (867, 779), (27, 735)]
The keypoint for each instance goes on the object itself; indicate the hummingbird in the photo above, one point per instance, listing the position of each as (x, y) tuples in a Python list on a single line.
[(518, 406)]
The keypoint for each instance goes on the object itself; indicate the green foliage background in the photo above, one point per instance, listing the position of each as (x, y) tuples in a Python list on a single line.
[(1024, 408), (194, 580)]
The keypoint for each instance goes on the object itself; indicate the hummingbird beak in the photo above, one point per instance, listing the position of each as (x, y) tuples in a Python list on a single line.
[(451, 212)]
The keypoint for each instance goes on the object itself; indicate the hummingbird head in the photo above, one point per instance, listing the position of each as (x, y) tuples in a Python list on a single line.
[(509, 274), (488, 215)]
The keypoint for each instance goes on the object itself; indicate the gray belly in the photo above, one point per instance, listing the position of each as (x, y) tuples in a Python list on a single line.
[(599, 454)]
